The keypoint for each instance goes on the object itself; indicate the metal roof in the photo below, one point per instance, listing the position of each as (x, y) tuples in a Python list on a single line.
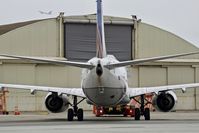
[(9, 27), (91, 18)]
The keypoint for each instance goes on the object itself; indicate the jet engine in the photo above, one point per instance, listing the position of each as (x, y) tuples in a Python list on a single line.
[(55, 103), (165, 101)]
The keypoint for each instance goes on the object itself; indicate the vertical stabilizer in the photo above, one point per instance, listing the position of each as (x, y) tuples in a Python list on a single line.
[(100, 39)]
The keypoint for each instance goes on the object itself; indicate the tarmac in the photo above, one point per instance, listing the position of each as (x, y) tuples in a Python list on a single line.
[(173, 122)]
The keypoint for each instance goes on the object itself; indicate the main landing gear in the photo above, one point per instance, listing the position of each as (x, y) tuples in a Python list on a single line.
[(142, 111), (75, 112)]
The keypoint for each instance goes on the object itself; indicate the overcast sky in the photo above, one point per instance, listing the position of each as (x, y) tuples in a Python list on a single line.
[(177, 16)]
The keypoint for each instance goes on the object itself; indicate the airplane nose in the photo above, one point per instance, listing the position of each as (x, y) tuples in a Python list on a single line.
[(99, 70)]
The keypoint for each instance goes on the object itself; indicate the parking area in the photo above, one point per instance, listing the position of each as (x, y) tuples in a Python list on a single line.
[(176, 122)]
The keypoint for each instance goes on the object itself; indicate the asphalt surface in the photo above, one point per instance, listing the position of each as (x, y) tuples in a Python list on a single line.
[(174, 122)]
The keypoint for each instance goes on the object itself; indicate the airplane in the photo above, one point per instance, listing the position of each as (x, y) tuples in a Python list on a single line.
[(46, 13), (104, 82)]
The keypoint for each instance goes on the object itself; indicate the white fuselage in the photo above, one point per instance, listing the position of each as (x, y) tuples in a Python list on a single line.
[(108, 89)]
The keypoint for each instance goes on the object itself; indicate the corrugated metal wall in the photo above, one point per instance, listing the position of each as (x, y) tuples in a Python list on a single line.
[(197, 89), (37, 39), (50, 75), (32, 74), (80, 41), (147, 75), (153, 41)]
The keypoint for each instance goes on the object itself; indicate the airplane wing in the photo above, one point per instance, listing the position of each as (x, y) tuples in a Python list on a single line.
[(69, 91), (138, 61), (133, 92), (56, 62)]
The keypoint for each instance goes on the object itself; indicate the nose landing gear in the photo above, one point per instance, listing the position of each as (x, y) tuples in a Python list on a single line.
[(75, 112)]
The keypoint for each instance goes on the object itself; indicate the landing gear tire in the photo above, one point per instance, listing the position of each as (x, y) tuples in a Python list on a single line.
[(137, 114), (147, 114), (75, 112), (80, 114), (70, 114), (142, 111)]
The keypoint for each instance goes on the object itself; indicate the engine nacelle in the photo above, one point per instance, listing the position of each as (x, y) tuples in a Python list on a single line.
[(55, 103), (165, 101)]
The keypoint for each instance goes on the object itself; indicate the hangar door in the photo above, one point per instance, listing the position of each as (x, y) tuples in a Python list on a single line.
[(80, 41)]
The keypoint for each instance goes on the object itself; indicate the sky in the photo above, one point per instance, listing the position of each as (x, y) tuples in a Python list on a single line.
[(180, 17)]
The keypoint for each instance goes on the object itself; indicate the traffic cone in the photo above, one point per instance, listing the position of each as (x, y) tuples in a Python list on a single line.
[(16, 111)]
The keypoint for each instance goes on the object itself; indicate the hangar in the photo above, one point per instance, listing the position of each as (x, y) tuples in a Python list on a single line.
[(73, 38)]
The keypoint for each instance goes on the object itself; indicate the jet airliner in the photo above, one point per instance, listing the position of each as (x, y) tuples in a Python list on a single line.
[(104, 82)]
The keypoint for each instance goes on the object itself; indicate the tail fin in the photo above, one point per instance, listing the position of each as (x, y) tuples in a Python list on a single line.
[(100, 39)]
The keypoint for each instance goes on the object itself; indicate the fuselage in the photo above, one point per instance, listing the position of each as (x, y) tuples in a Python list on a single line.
[(104, 87), (108, 88)]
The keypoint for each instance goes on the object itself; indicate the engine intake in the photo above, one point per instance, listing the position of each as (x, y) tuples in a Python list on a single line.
[(55, 103), (165, 101)]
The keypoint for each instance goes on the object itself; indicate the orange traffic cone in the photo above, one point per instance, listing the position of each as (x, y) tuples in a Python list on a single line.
[(16, 111)]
